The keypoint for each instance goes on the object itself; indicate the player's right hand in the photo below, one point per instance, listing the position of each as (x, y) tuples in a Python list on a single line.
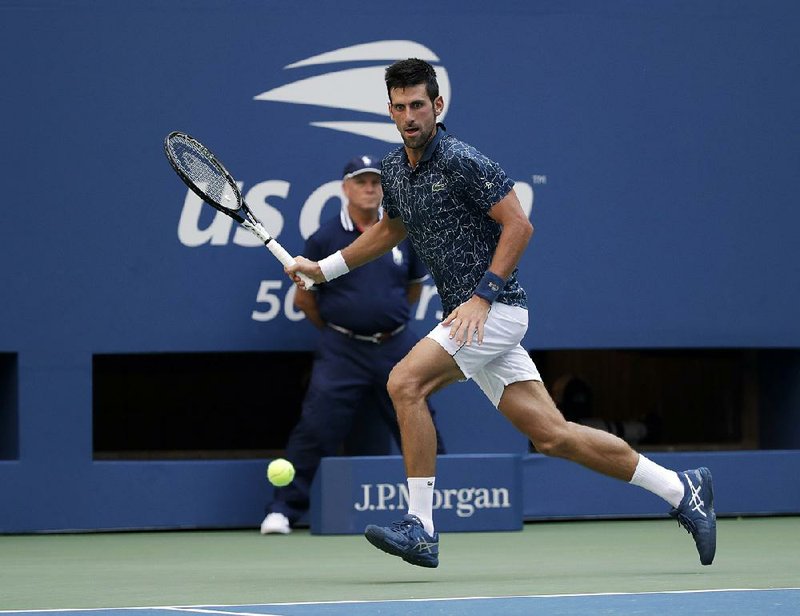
[(466, 321), (307, 267)]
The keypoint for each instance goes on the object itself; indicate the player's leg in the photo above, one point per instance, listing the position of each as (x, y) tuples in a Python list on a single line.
[(387, 410), (426, 369), (387, 356), (433, 363), (529, 407)]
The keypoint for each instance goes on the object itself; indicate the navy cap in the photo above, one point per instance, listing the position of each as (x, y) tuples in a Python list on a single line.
[(362, 164)]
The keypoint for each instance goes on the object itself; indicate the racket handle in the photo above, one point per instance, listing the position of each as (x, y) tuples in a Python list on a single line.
[(287, 260), (276, 249)]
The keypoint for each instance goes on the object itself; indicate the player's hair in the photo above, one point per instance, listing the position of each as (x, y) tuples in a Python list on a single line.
[(412, 72)]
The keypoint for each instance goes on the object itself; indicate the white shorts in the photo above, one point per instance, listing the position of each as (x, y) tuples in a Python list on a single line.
[(500, 360)]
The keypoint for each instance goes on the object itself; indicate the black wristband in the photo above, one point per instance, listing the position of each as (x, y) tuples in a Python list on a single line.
[(490, 286)]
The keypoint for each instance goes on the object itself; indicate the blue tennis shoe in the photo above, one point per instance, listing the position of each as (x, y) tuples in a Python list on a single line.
[(696, 512), (406, 539)]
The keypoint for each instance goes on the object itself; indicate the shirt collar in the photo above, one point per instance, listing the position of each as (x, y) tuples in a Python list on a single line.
[(429, 150), (347, 221), (431, 147)]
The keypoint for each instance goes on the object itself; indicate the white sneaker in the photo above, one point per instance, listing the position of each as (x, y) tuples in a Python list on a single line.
[(275, 523)]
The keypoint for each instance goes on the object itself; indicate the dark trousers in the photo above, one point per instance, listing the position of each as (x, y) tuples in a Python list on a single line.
[(347, 376)]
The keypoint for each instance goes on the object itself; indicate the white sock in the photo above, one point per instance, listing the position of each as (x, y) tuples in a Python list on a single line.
[(659, 480), (420, 500)]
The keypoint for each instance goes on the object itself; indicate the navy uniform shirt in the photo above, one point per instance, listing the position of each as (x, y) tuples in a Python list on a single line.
[(371, 298), (444, 203)]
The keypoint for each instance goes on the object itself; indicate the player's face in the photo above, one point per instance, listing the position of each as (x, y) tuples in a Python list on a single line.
[(414, 114), (364, 191)]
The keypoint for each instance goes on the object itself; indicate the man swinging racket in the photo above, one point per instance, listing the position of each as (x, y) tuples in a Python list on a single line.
[(459, 210)]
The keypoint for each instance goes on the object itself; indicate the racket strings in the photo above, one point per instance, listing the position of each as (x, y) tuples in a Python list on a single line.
[(204, 172)]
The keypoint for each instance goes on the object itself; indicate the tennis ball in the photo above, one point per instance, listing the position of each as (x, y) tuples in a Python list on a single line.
[(280, 472)]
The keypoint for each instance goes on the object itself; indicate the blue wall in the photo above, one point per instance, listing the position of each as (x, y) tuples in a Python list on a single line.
[(656, 145)]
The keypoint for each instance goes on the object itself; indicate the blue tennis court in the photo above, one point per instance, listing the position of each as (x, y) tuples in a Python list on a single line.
[(733, 602), (599, 567)]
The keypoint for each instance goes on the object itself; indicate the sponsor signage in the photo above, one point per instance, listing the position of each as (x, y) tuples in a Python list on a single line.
[(477, 492)]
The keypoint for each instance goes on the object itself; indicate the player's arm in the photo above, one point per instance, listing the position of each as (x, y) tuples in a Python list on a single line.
[(375, 241), (371, 244), (514, 237), (468, 318), (307, 302)]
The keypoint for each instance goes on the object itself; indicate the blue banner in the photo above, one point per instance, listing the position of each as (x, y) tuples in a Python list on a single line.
[(654, 148), (472, 493)]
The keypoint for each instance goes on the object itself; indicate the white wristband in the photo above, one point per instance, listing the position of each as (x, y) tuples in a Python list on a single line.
[(333, 266)]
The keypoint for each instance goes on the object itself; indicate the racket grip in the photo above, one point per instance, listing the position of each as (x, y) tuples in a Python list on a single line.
[(286, 259)]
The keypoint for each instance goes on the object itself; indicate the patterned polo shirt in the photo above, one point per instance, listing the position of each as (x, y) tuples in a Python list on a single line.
[(444, 203)]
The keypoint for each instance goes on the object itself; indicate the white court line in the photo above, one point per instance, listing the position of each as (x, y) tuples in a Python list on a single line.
[(559, 596), (201, 610), (232, 612)]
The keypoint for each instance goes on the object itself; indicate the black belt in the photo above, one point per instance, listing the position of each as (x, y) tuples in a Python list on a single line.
[(377, 338)]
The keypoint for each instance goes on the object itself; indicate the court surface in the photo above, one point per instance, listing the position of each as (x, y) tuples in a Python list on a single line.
[(558, 568)]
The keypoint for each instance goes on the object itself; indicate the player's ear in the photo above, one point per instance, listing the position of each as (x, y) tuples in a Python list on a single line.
[(438, 105)]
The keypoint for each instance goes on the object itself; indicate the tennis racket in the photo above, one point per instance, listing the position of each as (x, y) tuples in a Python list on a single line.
[(206, 176)]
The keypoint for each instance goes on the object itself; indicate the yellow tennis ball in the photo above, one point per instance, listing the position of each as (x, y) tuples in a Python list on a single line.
[(280, 472)]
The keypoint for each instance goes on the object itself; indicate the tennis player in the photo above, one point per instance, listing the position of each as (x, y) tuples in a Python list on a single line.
[(463, 218)]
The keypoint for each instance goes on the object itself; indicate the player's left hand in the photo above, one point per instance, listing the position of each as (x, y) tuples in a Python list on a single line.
[(466, 321)]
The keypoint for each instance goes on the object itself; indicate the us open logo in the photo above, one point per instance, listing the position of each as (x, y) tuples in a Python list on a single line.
[(359, 90)]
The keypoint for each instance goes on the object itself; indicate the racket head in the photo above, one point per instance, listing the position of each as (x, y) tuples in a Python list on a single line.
[(202, 172)]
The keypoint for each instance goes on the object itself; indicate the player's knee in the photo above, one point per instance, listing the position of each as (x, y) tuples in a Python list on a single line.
[(402, 387), (555, 443)]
